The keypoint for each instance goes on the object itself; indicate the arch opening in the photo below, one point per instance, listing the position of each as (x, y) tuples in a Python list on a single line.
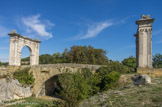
[(25, 55), (50, 87)]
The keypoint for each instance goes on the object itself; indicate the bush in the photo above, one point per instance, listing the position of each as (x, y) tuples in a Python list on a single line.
[(157, 61), (24, 77), (117, 67), (108, 78), (83, 84), (77, 86), (3, 64)]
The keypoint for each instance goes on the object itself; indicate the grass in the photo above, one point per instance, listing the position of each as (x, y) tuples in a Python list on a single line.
[(33, 102), (128, 96)]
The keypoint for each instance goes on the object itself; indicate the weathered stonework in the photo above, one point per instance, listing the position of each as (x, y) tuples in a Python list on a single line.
[(11, 89), (17, 42), (42, 73), (144, 42), (153, 72)]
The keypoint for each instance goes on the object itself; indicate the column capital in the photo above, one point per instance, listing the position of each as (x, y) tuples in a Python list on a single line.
[(145, 20)]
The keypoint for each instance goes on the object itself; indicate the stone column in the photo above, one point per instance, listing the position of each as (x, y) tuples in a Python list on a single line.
[(37, 54), (144, 42), (13, 56), (12, 51)]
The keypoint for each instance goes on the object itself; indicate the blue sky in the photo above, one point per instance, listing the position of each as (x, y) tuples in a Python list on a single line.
[(60, 24)]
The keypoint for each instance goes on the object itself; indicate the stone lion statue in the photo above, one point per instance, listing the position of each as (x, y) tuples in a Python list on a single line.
[(145, 17)]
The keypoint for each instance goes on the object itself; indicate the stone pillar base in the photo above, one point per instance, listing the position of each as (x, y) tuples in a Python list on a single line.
[(150, 71)]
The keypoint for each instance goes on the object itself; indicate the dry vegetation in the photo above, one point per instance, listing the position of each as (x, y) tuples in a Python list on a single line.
[(128, 96)]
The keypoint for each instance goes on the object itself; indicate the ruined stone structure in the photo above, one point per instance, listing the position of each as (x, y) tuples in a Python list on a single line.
[(17, 42), (44, 73), (144, 42)]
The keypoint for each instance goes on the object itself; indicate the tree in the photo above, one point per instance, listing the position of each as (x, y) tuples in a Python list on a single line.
[(46, 59), (116, 66), (76, 54), (65, 56), (130, 62), (0, 63), (25, 59), (86, 55), (157, 61), (77, 86), (4, 63), (57, 58)]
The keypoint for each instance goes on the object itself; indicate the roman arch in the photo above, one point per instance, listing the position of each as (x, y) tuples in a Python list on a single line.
[(17, 42), (144, 42)]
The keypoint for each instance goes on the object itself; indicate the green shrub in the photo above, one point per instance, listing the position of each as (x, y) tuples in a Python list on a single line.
[(117, 67), (74, 87), (108, 77), (157, 61), (77, 86), (109, 80), (24, 77), (130, 62), (3, 64)]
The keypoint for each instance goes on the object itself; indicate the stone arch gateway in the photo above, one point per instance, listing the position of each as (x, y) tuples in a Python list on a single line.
[(17, 42)]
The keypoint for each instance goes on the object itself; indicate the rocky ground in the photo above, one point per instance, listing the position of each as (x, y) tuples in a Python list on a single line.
[(11, 89), (128, 96)]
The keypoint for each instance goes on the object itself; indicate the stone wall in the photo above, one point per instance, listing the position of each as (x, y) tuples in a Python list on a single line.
[(43, 73), (153, 72)]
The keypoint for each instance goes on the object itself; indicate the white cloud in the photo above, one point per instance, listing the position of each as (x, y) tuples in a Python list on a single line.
[(94, 30), (34, 24)]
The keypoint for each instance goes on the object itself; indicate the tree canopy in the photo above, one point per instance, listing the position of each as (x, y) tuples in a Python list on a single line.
[(76, 54), (157, 61), (130, 62), (86, 55)]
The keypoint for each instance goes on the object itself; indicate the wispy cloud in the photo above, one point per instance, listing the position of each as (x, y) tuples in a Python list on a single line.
[(125, 19), (93, 30), (34, 24)]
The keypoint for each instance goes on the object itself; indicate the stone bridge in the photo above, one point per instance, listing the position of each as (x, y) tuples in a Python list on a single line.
[(44, 73)]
